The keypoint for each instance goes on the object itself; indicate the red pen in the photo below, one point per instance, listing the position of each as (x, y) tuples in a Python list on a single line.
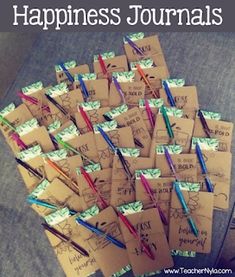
[(93, 188), (148, 189), (32, 100), (145, 247), (149, 113), (141, 72), (102, 65), (86, 119)]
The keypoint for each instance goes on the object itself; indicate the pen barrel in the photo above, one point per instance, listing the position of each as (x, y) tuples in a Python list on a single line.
[(209, 185), (192, 225), (201, 159), (169, 94)]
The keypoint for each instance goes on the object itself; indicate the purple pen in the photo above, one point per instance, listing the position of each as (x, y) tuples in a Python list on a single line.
[(119, 89), (170, 163), (134, 46)]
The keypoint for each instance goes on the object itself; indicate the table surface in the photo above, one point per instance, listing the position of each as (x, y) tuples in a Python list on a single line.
[(206, 60)]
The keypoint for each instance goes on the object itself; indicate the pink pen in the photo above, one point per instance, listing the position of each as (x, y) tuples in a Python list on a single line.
[(19, 141), (148, 189), (32, 100), (149, 113)]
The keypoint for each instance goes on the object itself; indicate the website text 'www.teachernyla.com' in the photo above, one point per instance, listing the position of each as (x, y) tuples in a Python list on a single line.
[(205, 271)]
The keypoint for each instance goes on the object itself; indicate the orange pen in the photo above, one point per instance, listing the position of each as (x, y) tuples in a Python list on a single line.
[(60, 171), (141, 72)]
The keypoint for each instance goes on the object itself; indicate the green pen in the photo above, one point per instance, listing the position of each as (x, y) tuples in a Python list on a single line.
[(7, 123), (167, 122), (69, 147)]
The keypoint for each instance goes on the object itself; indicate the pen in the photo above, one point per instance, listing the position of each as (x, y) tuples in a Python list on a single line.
[(170, 163), (32, 100), (59, 107), (119, 89), (53, 141), (101, 233), (102, 65), (149, 191), (41, 203), (67, 146), (209, 185), (136, 141), (145, 247), (7, 123), (117, 151), (149, 113), (29, 169), (167, 122), (86, 119), (107, 139), (19, 141), (185, 209), (64, 238), (204, 124), (141, 72), (66, 72), (14, 135), (169, 94), (61, 172), (134, 46), (93, 187), (83, 87)]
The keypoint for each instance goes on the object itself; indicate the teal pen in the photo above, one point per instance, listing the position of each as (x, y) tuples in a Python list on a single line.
[(167, 122), (190, 220), (41, 203), (100, 232)]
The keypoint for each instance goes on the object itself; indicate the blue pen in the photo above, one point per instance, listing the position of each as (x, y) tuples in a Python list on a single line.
[(185, 208), (39, 202), (117, 151), (66, 72), (107, 139), (169, 95), (83, 86), (209, 185), (99, 232)]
